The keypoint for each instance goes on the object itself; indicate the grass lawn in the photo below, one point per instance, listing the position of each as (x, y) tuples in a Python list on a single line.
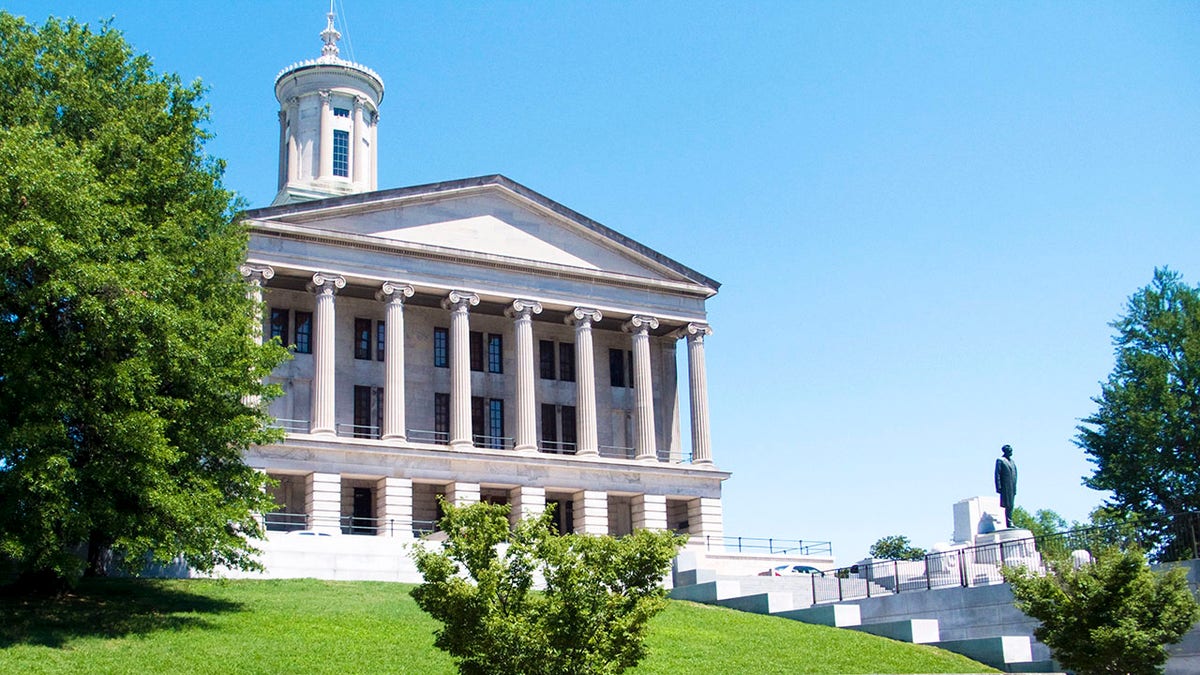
[(309, 626)]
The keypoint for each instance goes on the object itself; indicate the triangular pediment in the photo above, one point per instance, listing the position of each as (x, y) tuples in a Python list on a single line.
[(488, 220)]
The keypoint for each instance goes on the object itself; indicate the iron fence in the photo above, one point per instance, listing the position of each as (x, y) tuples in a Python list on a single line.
[(769, 545)]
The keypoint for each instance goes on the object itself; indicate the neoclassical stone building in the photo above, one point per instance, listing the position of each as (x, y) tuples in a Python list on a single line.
[(470, 339)]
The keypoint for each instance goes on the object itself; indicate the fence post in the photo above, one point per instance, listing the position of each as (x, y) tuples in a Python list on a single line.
[(962, 568), (813, 579), (896, 574), (771, 545), (928, 581)]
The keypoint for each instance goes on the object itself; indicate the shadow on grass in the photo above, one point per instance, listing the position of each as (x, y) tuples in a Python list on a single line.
[(104, 608)]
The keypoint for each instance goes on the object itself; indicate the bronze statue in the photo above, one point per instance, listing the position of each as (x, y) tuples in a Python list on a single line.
[(1006, 483)]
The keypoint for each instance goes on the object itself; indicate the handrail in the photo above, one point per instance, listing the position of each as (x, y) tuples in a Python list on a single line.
[(292, 426), (358, 430), (770, 546)]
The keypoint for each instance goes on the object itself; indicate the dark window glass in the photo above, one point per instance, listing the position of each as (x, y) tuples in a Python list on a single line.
[(362, 339), (341, 112), (616, 367), (495, 423), (441, 348), (362, 412), (379, 340), (495, 354), (378, 412), (303, 332), (341, 153), (475, 341), (568, 427), (629, 369), (441, 417), (478, 416), (279, 325), (549, 427), (566, 362), (546, 359)]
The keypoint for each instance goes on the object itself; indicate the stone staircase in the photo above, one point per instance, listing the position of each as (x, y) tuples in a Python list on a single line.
[(792, 598)]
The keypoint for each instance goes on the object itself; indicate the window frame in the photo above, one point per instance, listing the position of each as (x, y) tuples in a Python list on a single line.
[(441, 347), (303, 332), (495, 353), (341, 153)]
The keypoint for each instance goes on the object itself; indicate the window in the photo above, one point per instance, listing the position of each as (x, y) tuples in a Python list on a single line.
[(566, 424), (558, 428), (546, 359), (496, 421), (362, 339), (279, 325), (566, 361), (341, 112), (303, 332), (441, 348), (441, 417), (478, 417), (549, 427), (341, 153), (380, 340), (487, 422), (495, 353), (620, 368), (475, 340), (368, 411)]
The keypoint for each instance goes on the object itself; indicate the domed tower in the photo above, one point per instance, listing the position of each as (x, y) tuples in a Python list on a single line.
[(328, 120)]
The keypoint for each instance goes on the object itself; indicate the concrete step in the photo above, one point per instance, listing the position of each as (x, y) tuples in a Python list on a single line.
[(838, 616), (1002, 653), (1035, 667), (709, 592), (916, 631), (760, 603)]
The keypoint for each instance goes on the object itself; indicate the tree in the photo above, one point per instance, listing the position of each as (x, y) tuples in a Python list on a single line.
[(600, 592), (127, 348), (896, 547), (1145, 436), (1114, 615)]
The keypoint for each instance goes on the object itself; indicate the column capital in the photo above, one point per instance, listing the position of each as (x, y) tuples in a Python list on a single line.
[(257, 274), (521, 307), (360, 102), (694, 332), (394, 291), (639, 324), (326, 282), (325, 95), (582, 315), (460, 300)]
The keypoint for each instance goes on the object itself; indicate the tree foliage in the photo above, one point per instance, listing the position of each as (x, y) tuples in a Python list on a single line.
[(599, 594), (1114, 615), (896, 547), (126, 343), (1144, 438)]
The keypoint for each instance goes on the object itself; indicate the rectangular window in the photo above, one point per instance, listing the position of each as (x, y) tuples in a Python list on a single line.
[(566, 361), (496, 423), (341, 153), (475, 342), (441, 417), (478, 418), (379, 340), (546, 359), (495, 355), (363, 398), (629, 369), (567, 424), (616, 367), (279, 325), (341, 112), (441, 348), (303, 332), (549, 427), (362, 339)]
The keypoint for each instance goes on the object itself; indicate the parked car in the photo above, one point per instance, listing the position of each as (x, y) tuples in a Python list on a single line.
[(791, 570), (310, 533)]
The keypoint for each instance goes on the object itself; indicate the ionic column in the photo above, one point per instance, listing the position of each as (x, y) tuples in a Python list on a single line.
[(586, 424), (283, 146), (257, 275), (324, 285), (459, 303), (325, 137), (639, 327), (698, 390), (357, 153), (293, 151), (522, 311), (393, 293)]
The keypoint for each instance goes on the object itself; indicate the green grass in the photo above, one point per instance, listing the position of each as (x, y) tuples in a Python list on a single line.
[(308, 626)]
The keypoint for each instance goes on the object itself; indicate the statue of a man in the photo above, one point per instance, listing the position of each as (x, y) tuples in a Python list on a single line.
[(1006, 483)]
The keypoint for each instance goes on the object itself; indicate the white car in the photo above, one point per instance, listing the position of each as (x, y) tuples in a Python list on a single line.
[(791, 570)]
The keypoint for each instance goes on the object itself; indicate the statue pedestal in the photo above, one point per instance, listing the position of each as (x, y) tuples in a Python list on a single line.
[(1011, 546), (976, 515)]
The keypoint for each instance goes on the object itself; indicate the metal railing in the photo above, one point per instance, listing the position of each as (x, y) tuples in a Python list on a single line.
[(281, 521), (616, 452), (770, 545), (358, 430), (492, 442), (291, 426), (1166, 539), (558, 447), (428, 436)]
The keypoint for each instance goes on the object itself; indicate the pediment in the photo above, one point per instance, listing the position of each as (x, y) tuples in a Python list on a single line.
[(489, 220)]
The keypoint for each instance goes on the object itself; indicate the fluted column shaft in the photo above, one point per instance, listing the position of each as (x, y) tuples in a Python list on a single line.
[(586, 424), (639, 327), (698, 390), (257, 275), (325, 286), (459, 303), (358, 153), (522, 312), (393, 293), (326, 135)]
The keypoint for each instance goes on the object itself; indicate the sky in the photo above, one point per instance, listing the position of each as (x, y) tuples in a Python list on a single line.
[(924, 215)]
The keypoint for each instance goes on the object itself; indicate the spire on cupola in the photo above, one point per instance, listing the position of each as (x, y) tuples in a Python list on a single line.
[(328, 124)]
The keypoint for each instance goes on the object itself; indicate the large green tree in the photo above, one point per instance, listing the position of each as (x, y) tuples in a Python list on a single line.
[(896, 547), (600, 593), (1144, 438), (127, 346)]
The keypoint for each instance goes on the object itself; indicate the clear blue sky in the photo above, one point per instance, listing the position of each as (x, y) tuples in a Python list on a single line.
[(924, 215)]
